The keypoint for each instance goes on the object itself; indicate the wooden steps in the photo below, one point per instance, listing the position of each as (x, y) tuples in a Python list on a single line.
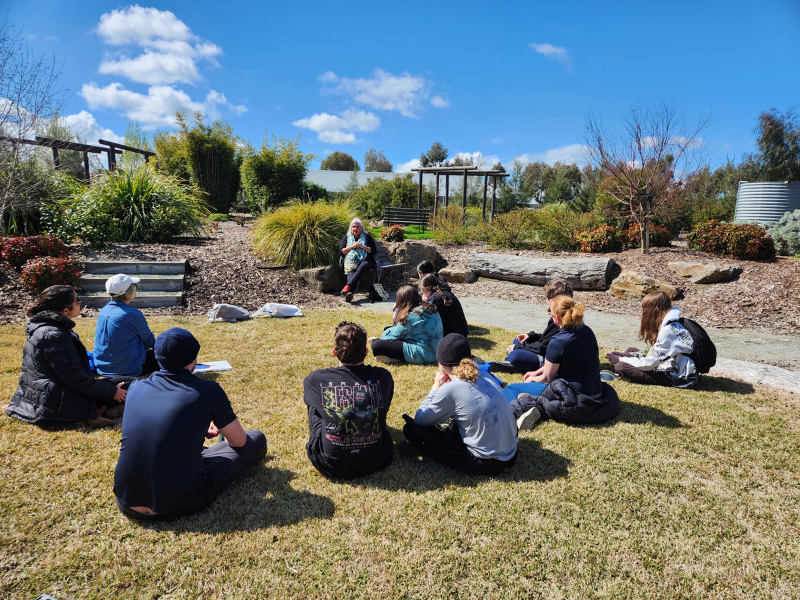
[(161, 282)]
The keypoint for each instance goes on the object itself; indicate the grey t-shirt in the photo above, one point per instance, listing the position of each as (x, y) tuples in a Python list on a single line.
[(480, 410)]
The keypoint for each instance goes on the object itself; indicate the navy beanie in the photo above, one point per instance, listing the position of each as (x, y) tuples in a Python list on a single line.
[(176, 348), (452, 350)]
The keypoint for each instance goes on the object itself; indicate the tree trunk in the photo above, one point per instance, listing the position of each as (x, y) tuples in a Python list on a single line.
[(581, 273)]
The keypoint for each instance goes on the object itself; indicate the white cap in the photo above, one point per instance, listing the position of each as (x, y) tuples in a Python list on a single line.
[(119, 284)]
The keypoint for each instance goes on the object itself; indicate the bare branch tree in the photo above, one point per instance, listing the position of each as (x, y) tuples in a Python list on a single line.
[(30, 97), (647, 166)]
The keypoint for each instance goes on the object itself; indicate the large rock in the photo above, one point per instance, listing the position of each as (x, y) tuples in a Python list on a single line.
[(704, 273), (582, 273), (632, 286), (453, 275), (324, 279), (410, 252)]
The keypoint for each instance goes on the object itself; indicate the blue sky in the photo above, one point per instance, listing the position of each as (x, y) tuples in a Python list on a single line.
[(495, 79)]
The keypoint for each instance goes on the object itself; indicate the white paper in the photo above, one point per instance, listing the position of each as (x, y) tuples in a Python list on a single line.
[(213, 365)]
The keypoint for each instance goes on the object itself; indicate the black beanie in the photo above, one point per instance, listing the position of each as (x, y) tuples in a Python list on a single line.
[(452, 349), (176, 348)]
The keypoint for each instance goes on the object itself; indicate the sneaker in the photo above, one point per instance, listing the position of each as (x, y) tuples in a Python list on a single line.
[(606, 375), (388, 360), (528, 419), (348, 297), (502, 366), (477, 360)]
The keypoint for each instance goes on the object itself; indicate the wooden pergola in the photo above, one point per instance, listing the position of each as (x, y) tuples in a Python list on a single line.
[(465, 171), (110, 148)]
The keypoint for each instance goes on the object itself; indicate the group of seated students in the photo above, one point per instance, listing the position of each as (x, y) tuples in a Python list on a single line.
[(469, 419)]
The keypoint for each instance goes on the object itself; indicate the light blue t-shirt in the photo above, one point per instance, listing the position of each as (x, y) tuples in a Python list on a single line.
[(121, 340), (480, 410)]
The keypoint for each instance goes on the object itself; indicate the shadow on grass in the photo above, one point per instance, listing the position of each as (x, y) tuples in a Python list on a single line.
[(477, 343), (260, 498), (477, 330), (709, 383), (639, 414), (411, 472)]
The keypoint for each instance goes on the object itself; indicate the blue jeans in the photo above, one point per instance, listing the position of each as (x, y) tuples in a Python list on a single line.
[(513, 390), (524, 360)]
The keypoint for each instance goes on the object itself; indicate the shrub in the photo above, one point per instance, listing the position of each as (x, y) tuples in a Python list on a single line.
[(455, 226), (303, 234), (739, 240), (393, 233), (313, 191), (373, 197), (137, 206), (786, 234), (659, 236), (600, 239), (17, 251), (557, 225), (513, 230), (40, 273), (275, 174), (218, 217)]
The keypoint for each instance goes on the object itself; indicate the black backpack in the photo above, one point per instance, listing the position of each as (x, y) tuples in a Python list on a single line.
[(704, 352)]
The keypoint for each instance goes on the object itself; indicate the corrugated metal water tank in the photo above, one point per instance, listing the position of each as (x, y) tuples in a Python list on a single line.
[(766, 201)]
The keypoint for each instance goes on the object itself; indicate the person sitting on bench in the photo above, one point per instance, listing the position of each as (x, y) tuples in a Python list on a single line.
[(481, 438), (357, 252), (164, 472), (347, 407)]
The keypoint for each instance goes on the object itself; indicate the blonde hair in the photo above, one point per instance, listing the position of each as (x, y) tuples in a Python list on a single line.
[(569, 311), (466, 369), (125, 296)]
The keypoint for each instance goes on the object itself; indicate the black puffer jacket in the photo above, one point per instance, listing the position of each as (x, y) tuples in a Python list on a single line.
[(56, 383), (560, 402)]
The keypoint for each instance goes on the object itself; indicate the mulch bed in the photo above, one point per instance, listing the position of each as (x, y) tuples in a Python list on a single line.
[(222, 268)]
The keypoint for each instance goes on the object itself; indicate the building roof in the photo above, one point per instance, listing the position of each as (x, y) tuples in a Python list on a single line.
[(336, 181)]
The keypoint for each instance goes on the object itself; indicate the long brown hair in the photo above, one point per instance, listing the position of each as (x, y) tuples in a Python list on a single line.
[(569, 311), (431, 282), (655, 307), (55, 298), (408, 299)]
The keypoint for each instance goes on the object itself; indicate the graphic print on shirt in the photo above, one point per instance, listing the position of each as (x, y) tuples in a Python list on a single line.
[(353, 412)]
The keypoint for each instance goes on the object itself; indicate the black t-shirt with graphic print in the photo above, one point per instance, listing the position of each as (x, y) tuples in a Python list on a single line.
[(347, 409)]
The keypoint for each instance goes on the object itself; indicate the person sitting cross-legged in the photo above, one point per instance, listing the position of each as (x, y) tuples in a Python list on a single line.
[(164, 472), (347, 407), (465, 420)]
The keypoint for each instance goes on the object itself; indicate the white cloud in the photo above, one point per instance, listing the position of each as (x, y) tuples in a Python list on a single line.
[(85, 126), (239, 109), (171, 50), (153, 110), (573, 153), (675, 140), (339, 130), (404, 93), (556, 53), (479, 159), (440, 101), (406, 167)]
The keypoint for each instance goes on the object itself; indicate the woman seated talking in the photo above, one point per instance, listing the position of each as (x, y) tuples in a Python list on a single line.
[(568, 386), (56, 383), (481, 438), (415, 336), (358, 251)]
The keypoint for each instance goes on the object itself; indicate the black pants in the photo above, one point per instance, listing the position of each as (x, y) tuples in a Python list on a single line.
[(222, 464), (390, 348), (635, 375), (353, 277), (447, 446)]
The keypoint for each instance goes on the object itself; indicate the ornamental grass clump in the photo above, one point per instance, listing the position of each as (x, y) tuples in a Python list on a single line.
[(16, 251), (515, 230), (302, 234), (40, 273), (557, 226)]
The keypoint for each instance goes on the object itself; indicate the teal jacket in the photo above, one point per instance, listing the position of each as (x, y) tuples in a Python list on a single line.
[(420, 335)]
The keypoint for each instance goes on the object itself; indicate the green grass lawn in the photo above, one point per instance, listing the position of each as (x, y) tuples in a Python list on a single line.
[(688, 494), (413, 232)]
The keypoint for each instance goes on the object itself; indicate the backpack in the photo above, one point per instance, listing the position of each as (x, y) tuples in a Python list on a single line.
[(704, 352)]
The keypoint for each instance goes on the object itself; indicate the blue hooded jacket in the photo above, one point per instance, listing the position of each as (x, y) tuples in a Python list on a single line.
[(420, 335)]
